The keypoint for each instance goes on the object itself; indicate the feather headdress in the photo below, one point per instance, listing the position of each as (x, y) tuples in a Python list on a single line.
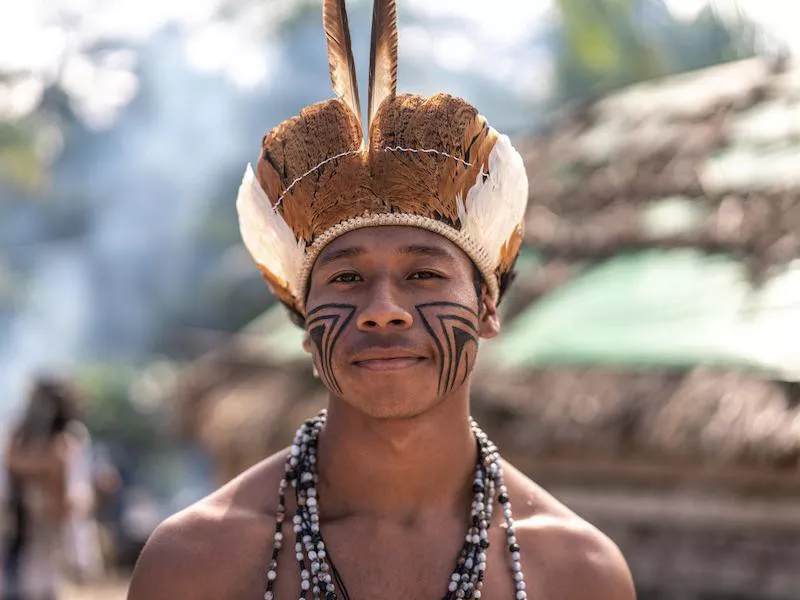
[(432, 163)]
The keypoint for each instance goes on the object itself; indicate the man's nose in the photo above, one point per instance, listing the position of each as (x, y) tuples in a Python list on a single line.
[(383, 311)]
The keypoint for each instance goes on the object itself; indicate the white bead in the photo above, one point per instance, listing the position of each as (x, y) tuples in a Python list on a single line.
[(452, 587), (272, 575)]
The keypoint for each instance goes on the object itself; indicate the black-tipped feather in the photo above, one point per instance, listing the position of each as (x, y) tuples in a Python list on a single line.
[(340, 54), (382, 55)]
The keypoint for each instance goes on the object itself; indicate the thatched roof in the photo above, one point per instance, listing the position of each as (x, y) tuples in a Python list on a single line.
[(707, 160), (701, 417), (244, 400), (694, 180)]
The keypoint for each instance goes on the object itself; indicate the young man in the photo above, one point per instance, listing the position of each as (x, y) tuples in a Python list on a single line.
[(392, 253)]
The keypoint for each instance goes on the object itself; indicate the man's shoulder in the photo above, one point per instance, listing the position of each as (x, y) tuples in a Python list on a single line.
[(573, 559), (181, 557)]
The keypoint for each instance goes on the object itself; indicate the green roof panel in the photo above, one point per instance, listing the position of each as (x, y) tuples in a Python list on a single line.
[(679, 308)]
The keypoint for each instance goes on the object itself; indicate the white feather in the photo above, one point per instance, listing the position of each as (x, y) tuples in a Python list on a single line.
[(267, 236), (496, 206)]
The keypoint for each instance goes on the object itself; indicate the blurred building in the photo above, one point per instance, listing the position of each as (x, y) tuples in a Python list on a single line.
[(650, 372)]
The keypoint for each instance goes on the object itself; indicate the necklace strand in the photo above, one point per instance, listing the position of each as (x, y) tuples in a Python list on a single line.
[(319, 581)]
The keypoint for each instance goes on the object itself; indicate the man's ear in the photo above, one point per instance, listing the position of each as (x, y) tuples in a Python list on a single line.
[(488, 320), (307, 345)]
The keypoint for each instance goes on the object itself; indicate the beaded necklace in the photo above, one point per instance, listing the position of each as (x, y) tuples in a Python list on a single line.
[(319, 579)]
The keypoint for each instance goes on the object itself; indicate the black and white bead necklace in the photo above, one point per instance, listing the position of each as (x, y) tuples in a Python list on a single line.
[(319, 579)]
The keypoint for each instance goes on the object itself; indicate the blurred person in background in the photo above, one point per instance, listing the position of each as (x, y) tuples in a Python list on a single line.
[(108, 483), (47, 511)]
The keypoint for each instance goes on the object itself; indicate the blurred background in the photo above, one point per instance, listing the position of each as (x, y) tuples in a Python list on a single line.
[(651, 372)]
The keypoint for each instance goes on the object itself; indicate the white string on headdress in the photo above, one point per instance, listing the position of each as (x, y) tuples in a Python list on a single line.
[(349, 152)]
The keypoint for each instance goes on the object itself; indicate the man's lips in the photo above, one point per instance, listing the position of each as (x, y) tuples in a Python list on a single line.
[(389, 364), (388, 359)]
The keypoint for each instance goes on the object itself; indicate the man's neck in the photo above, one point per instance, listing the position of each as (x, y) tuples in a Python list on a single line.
[(396, 468)]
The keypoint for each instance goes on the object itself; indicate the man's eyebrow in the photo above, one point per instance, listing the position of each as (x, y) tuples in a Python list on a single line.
[(350, 252), (426, 251)]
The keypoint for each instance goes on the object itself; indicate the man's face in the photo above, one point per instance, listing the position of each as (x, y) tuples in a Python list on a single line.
[(393, 319)]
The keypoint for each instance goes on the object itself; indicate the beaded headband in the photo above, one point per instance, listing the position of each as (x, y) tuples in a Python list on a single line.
[(431, 163)]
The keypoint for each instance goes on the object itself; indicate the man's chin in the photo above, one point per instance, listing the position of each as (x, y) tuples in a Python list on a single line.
[(389, 404)]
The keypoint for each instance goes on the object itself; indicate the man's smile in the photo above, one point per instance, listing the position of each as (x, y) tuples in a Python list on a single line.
[(388, 359)]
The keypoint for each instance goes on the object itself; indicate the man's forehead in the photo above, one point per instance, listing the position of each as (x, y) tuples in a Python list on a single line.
[(390, 240)]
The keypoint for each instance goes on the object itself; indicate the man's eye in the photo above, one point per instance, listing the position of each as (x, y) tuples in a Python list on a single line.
[(346, 278), (424, 275)]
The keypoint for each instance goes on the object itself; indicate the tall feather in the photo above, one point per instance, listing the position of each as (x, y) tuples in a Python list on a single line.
[(382, 55), (340, 54)]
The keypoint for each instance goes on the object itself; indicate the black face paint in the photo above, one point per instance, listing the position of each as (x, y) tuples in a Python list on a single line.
[(324, 325), (453, 329)]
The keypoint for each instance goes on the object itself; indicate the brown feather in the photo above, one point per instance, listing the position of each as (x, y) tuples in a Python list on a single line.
[(382, 55), (340, 54)]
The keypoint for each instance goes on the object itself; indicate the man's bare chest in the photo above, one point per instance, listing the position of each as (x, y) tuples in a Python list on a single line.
[(396, 566)]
